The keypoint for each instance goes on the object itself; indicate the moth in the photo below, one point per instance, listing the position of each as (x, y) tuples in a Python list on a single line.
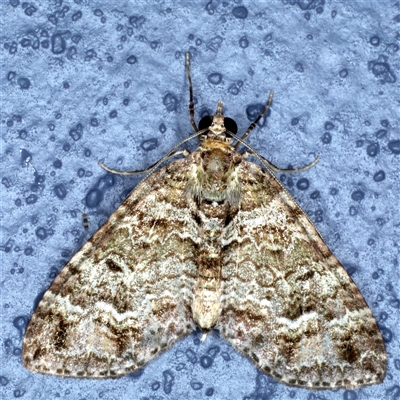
[(213, 241)]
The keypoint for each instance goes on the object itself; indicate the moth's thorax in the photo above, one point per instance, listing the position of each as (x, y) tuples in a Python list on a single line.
[(215, 175), (212, 142)]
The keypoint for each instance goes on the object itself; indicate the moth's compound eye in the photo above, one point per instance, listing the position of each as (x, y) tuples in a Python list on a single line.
[(230, 125), (205, 122)]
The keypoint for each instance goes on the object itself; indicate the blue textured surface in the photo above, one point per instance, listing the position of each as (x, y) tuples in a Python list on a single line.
[(83, 81)]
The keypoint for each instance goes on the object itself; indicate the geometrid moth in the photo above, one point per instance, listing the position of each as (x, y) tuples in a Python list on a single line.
[(215, 241)]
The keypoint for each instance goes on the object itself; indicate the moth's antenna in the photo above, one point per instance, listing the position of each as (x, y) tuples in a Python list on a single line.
[(191, 103), (172, 152), (254, 123), (267, 164), (150, 170), (141, 171), (85, 220)]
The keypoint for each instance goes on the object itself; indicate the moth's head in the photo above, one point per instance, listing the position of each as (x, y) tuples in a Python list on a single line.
[(219, 126)]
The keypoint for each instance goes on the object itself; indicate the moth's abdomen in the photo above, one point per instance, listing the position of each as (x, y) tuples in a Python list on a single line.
[(207, 302), (207, 296)]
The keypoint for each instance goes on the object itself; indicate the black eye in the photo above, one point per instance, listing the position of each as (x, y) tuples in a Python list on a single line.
[(229, 123), (205, 122)]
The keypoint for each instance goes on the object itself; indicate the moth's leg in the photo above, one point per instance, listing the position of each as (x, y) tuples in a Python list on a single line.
[(191, 103), (277, 169), (254, 123), (184, 152)]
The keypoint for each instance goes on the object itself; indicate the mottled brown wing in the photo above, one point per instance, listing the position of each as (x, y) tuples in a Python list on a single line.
[(126, 294), (287, 302)]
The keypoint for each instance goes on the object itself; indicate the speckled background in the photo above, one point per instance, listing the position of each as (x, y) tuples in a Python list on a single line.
[(83, 81)]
